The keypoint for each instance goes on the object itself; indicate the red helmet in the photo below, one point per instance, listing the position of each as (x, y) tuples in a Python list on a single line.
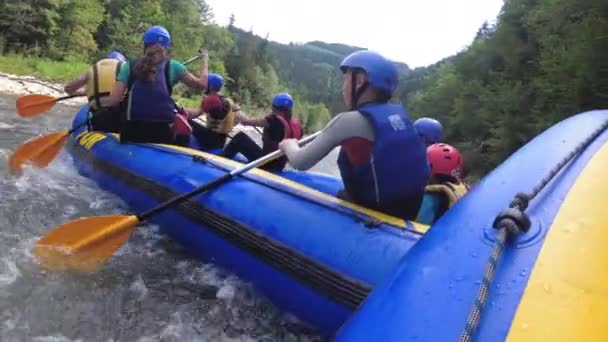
[(212, 102), (444, 160), (216, 106)]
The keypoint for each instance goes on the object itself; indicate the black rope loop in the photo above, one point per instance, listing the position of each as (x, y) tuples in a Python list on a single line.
[(514, 219), (198, 159), (372, 222), (521, 201)]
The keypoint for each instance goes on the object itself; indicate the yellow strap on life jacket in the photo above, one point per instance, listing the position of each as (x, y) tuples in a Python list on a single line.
[(101, 79), (452, 191), (224, 125)]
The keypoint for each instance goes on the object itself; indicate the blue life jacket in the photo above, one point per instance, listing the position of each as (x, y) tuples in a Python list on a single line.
[(397, 169), (151, 101)]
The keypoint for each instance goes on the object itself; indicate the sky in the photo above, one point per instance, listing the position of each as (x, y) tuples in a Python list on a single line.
[(416, 32)]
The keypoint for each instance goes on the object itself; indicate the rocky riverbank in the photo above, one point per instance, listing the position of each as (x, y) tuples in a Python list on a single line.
[(23, 85)]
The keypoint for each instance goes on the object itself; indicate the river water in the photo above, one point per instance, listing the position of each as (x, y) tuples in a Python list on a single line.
[(151, 290)]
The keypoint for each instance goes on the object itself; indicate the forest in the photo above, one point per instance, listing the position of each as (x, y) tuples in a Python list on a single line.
[(541, 61)]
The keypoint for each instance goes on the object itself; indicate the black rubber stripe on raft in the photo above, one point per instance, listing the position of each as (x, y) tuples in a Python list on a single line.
[(335, 285)]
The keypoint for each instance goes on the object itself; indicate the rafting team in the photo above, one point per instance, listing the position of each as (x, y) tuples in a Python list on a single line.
[(387, 163)]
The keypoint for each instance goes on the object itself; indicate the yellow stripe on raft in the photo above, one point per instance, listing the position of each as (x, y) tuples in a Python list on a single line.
[(566, 298), (310, 191)]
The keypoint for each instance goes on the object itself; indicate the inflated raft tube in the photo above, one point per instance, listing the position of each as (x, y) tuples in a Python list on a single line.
[(549, 282), (311, 254)]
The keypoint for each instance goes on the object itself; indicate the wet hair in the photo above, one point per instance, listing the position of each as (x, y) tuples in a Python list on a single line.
[(283, 110), (146, 67)]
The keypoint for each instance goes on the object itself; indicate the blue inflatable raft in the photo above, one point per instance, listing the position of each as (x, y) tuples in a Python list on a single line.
[(310, 253), (359, 275)]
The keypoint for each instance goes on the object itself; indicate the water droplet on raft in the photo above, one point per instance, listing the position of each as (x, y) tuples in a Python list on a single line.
[(523, 273), (474, 255)]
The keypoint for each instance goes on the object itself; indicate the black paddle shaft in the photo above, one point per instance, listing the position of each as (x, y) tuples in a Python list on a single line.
[(67, 97), (219, 181), (183, 197)]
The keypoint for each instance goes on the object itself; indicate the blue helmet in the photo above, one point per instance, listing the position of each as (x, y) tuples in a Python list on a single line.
[(282, 100), (429, 129), (157, 34), (215, 82), (116, 55), (381, 73)]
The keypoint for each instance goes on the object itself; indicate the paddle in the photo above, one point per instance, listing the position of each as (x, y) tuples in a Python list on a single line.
[(40, 151), (34, 104), (86, 243)]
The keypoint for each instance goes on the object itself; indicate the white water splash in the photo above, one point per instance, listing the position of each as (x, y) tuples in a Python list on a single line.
[(58, 338), (139, 287), (4, 125), (8, 272)]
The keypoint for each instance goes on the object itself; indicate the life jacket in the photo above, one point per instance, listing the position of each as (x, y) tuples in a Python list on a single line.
[(151, 101), (433, 207), (101, 78), (452, 191), (397, 167), (181, 126), (291, 127), (222, 125)]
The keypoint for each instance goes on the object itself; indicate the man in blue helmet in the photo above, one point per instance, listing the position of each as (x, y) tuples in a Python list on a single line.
[(429, 130), (278, 125), (150, 115), (98, 83), (382, 161)]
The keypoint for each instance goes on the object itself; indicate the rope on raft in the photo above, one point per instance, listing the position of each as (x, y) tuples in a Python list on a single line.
[(510, 223)]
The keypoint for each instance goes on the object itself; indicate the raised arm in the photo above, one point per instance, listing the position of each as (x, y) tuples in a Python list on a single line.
[(198, 82)]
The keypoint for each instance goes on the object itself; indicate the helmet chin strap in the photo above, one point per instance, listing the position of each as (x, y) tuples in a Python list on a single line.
[(355, 93)]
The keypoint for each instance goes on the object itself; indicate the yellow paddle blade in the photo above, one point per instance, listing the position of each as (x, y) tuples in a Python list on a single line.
[(39, 151), (84, 244), (31, 105)]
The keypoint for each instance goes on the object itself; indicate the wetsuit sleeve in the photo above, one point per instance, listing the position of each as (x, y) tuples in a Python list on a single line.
[(343, 126), (123, 74), (178, 70)]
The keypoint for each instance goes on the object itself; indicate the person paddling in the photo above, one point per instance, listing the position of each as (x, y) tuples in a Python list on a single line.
[(220, 113), (99, 82), (278, 125), (382, 160), (445, 185), (150, 113)]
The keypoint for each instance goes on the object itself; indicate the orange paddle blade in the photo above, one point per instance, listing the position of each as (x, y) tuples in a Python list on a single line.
[(39, 151), (31, 105), (84, 244)]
